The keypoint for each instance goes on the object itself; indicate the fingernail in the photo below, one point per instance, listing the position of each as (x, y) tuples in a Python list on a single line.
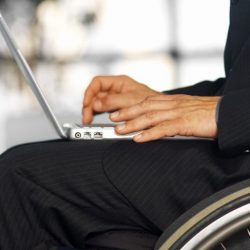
[(138, 137), (114, 115), (121, 127), (98, 105)]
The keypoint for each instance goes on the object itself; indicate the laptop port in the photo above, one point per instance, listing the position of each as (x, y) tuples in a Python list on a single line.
[(98, 135), (78, 135), (87, 135)]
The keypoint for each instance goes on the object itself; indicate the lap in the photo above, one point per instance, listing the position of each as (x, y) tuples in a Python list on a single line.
[(157, 181), (63, 189), (163, 179)]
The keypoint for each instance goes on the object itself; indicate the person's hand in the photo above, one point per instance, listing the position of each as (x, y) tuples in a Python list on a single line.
[(109, 93), (169, 115)]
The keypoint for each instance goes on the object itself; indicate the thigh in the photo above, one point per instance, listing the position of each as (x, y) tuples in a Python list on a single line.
[(163, 179), (59, 191)]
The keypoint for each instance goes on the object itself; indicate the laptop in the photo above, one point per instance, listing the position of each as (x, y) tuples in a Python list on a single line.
[(69, 131)]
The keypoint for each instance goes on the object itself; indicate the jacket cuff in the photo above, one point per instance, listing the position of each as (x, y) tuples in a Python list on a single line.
[(234, 122), (217, 112)]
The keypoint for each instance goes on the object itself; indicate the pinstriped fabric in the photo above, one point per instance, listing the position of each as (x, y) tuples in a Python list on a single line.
[(57, 192), (234, 115), (163, 179), (60, 193), (234, 122)]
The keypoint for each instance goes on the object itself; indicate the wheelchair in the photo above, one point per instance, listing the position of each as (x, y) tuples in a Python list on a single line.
[(220, 222)]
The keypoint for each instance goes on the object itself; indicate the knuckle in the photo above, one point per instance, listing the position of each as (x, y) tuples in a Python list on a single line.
[(96, 78), (123, 80), (177, 112), (107, 101), (123, 77), (131, 125), (123, 113), (146, 104), (162, 126), (142, 104), (175, 103), (151, 115), (150, 97)]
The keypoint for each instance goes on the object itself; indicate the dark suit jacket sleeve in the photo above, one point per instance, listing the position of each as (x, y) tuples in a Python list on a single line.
[(234, 122), (205, 88)]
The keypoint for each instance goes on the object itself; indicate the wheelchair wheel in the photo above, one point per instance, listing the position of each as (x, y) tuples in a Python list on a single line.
[(237, 241), (226, 232), (220, 222)]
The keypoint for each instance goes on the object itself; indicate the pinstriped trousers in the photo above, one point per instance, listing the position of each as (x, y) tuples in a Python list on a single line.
[(65, 192)]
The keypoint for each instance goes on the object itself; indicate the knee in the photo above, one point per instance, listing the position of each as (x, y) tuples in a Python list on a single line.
[(16, 157)]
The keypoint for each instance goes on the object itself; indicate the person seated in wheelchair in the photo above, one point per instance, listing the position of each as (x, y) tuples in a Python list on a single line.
[(97, 194)]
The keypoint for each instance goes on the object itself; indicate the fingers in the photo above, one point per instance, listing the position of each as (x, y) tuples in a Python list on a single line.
[(105, 103), (96, 90), (139, 109), (149, 105), (87, 113), (96, 97), (147, 120), (97, 85), (165, 129), (103, 84), (111, 102), (194, 117)]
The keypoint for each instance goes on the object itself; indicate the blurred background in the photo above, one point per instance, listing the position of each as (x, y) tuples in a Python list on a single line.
[(163, 43)]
